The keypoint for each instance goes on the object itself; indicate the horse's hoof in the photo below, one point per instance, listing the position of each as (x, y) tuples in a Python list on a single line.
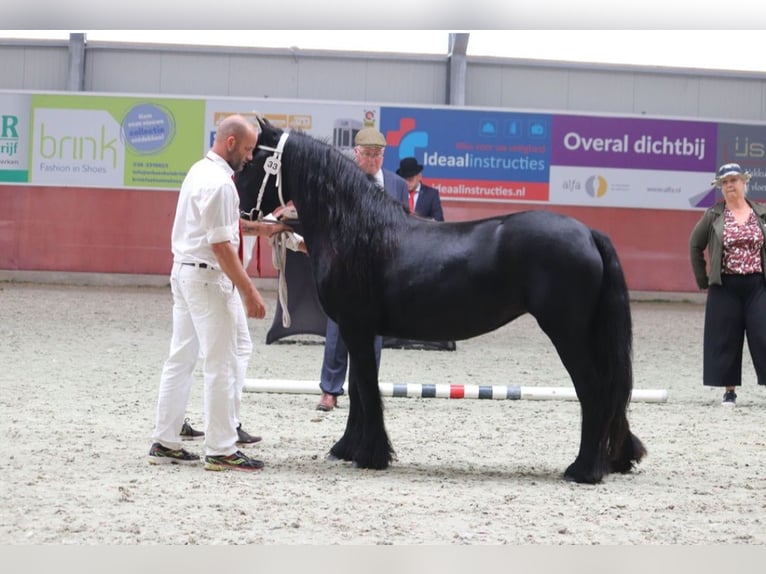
[(369, 465), (574, 474)]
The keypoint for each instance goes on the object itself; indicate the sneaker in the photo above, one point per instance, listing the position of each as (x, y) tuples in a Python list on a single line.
[(159, 454), (729, 399), (245, 438), (188, 433), (236, 461)]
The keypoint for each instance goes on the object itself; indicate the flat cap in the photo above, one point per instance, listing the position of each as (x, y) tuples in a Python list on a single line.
[(370, 137)]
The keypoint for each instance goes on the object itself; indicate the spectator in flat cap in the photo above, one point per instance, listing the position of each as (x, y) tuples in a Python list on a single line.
[(423, 199), (369, 146)]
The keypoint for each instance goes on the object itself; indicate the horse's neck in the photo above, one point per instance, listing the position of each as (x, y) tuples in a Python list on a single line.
[(327, 194), (325, 203)]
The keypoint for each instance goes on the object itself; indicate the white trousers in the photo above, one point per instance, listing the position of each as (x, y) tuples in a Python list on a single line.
[(244, 350), (209, 323)]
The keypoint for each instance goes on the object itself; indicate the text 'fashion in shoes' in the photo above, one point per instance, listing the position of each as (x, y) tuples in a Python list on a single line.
[(236, 461), (159, 454)]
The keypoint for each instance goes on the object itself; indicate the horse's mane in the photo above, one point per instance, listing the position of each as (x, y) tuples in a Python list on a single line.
[(340, 202)]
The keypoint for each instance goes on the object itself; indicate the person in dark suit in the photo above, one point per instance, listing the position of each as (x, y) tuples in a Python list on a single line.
[(423, 199), (369, 146)]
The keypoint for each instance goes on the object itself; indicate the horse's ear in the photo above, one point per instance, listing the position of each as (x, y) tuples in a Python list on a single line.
[(262, 121)]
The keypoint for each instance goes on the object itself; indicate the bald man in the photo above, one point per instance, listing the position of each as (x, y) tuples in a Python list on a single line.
[(212, 295)]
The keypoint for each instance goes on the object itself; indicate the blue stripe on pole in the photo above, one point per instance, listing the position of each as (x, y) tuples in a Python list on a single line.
[(400, 390), (485, 392)]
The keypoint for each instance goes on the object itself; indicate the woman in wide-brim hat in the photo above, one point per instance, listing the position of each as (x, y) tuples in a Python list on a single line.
[(733, 233)]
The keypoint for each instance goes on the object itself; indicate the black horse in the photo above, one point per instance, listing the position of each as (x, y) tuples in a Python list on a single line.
[(379, 270)]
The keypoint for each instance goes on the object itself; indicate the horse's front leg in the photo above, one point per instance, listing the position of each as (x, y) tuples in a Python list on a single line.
[(365, 438), (346, 445)]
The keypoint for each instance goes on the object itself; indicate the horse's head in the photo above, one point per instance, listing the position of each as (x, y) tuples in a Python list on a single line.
[(259, 182)]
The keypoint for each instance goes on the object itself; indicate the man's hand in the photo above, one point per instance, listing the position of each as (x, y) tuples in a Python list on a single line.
[(255, 308), (263, 228), (286, 212), (230, 264)]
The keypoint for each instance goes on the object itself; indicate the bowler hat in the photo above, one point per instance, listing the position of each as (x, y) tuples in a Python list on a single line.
[(369, 137), (408, 167), (728, 169)]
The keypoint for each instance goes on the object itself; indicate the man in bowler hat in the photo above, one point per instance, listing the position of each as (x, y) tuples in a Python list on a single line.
[(424, 200)]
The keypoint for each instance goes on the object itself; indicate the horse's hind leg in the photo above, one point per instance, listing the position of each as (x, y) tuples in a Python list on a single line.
[(627, 453), (590, 465), (606, 443)]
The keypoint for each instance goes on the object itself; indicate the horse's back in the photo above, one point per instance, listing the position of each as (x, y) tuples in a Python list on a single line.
[(461, 279)]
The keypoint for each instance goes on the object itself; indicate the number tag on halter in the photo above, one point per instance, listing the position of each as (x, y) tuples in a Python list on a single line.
[(272, 165)]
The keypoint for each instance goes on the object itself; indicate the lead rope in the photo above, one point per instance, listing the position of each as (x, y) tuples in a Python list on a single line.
[(279, 259)]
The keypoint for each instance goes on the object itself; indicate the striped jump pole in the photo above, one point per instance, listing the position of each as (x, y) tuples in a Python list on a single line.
[(448, 391)]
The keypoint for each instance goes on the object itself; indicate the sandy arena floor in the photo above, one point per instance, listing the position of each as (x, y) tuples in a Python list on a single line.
[(80, 372)]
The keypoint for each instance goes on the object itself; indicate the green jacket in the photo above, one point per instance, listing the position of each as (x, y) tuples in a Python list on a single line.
[(709, 233)]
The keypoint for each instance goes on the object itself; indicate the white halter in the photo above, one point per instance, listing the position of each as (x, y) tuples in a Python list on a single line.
[(272, 166)]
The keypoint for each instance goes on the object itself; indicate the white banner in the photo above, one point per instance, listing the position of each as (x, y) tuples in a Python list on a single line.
[(610, 187), (77, 147)]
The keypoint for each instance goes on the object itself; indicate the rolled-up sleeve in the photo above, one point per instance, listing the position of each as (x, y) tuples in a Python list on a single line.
[(217, 215)]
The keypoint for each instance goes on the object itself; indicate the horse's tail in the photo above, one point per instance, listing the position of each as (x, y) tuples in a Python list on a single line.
[(613, 338)]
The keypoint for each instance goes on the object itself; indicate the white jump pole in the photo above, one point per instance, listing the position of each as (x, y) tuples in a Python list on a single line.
[(447, 391)]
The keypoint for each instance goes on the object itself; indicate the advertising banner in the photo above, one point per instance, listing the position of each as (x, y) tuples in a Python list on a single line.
[(102, 141), (745, 145), (14, 138), (631, 162), (330, 122), (633, 143), (470, 154), (150, 142)]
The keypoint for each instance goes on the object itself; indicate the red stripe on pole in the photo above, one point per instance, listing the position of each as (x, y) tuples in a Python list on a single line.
[(456, 391)]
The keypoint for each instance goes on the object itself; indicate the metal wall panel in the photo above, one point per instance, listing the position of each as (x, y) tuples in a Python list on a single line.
[(265, 76), (600, 91), (406, 82), (727, 99), (387, 78), (332, 79), (34, 67), (12, 77), (195, 74), (517, 87), (122, 71), (667, 95)]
